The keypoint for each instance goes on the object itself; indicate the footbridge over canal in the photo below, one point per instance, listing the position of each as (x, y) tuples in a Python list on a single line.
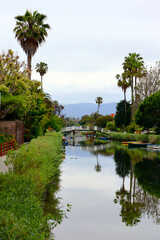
[(75, 129)]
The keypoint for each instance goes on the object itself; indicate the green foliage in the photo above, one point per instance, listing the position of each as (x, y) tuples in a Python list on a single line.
[(6, 137), (132, 127), (103, 120), (122, 161), (22, 98), (42, 68), (154, 139), (129, 136), (147, 173), (89, 120), (31, 32), (111, 126), (131, 212), (18, 92), (55, 123), (33, 167), (133, 69), (122, 119), (99, 101), (148, 113)]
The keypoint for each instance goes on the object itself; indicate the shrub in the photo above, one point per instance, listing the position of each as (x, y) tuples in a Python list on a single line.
[(132, 127), (111, 126), (33, 167), (6, 137), (153, 138), (103, 120), (132, 137)]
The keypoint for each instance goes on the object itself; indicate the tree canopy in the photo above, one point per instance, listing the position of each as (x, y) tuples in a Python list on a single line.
[(103, 120), (18, 92), (42, 68), (122, 118), (31, 32), (148, 113), (23, 99), (133, 70), (150, 83), (147, 173), (99, 101)]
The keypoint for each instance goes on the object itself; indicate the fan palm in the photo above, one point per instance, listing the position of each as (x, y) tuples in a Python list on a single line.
[(133, 68), (124, 84), (99, 101), (31, 32), (42, 68)]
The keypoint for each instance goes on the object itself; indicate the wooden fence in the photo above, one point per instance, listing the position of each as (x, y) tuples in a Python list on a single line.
[(6, 146)]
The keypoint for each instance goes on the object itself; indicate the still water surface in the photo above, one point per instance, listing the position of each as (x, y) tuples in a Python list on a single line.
[(101, 184)]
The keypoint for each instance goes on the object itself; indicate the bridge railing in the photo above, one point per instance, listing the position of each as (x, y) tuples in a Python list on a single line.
[(80, 128)]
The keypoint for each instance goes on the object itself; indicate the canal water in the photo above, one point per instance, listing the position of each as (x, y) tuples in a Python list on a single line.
[(114, 193)]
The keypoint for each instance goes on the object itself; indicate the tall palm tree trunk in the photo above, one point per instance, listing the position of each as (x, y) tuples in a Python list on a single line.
[(125, 106), (131, 178), (132, 114), (135, 92), (41, 82), (29, 61), (98, 108)]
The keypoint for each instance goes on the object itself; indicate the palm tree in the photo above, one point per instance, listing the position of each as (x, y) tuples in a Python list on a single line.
[(42, 68), (97, 166), (99, 101), (124, 84), (133, 69), (31, 32)]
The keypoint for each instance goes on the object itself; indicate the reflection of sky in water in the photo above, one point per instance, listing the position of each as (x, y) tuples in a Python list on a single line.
[(94, 215)]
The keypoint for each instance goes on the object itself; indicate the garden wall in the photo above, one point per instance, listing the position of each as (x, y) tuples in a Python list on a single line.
[(15, 128)]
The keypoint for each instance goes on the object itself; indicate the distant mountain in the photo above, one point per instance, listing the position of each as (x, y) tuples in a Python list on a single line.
[(79, 109)]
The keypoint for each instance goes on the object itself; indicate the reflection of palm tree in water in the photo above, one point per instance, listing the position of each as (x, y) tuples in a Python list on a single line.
[(131, 211), (136, 201), (97, 166)]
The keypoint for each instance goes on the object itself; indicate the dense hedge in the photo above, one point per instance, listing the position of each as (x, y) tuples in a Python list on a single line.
[(147, 138), (22, 189)]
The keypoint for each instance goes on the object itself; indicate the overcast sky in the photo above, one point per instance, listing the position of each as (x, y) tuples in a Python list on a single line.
[(87, 43)]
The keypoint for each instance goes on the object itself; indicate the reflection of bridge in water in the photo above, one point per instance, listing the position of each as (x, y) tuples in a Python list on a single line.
[(95, 148), (74, 130)]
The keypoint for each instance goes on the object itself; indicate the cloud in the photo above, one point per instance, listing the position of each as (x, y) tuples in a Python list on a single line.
[(87, 43), (73, 87)]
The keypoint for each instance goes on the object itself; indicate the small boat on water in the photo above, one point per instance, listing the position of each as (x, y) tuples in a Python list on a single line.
[(127, 142), (144, 145), (137, 145), (103, 138), (64, 141), (154, 146)]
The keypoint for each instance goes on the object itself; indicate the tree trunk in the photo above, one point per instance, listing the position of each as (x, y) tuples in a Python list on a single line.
[(98, 108), (125, 107), (135, 92), (29, 60), (131, 178), (132, 113), (41, 82)]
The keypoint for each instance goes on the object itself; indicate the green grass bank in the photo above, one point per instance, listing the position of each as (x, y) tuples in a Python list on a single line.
[(22, 189), (145, 138)]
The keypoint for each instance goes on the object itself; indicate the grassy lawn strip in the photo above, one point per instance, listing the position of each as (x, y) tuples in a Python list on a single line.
[(146, 138), (34, 166)]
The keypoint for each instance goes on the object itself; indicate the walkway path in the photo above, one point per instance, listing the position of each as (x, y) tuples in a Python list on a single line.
[(3, 167)]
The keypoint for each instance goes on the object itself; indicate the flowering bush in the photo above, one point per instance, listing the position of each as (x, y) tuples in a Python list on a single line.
[(5, 138)]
